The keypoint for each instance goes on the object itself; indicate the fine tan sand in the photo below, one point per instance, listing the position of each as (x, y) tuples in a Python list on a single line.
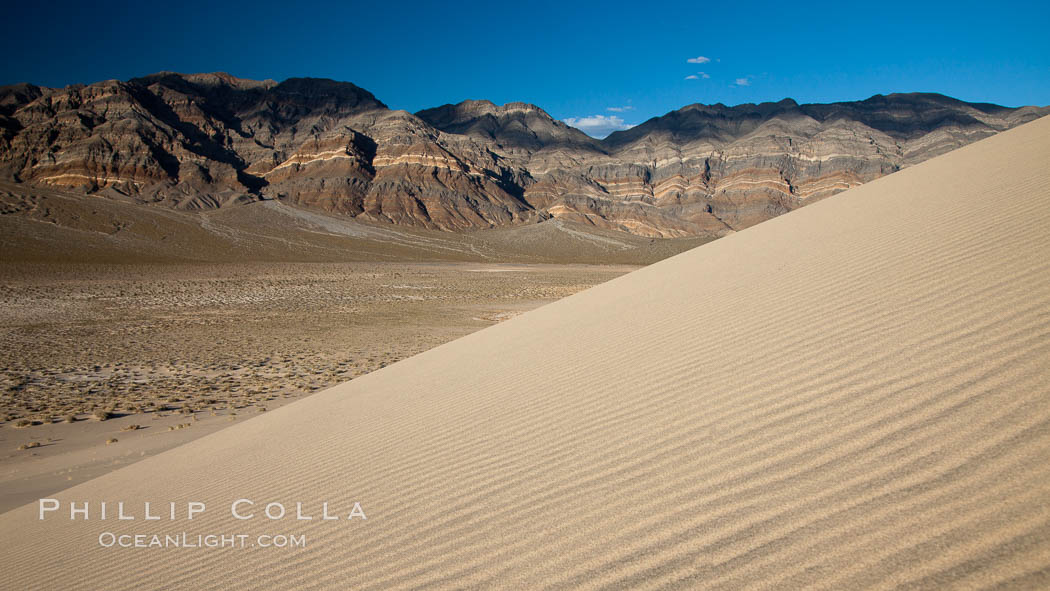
[(852, 395)]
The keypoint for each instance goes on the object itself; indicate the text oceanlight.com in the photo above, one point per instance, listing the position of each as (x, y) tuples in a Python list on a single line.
[(207, 541)]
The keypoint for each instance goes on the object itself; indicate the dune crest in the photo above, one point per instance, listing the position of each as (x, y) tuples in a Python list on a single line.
[(855, 394)]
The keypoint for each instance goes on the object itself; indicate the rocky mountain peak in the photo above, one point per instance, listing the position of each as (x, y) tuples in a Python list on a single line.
[(515, 125)]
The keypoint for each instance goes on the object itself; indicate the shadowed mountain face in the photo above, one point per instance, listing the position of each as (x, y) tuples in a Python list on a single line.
[(212, 140)]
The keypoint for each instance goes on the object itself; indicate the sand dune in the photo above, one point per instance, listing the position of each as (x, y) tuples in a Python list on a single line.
[(855, 394)]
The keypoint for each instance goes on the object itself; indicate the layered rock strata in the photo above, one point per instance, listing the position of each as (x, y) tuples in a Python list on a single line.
[(212, 140)]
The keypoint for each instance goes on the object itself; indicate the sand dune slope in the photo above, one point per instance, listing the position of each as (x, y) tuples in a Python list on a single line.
[(856, 394)]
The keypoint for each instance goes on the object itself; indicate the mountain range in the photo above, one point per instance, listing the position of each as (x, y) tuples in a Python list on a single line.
[(205, 141)]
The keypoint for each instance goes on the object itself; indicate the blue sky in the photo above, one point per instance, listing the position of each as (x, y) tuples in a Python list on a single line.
[(598, 65)]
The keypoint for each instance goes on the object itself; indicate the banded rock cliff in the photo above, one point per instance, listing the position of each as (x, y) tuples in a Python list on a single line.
[(212, 140)]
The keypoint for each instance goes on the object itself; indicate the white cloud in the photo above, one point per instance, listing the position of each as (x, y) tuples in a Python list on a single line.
[(698, 60), (598, 126), (742, 81), (704, 75), (698, 76), (692, 77), (623, 109)]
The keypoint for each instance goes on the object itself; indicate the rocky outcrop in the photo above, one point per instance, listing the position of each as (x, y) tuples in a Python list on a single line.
[(212, 140), (515, 128), (711, 168)]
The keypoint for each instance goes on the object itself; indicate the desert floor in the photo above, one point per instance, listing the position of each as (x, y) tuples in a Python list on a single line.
[(184, 350)]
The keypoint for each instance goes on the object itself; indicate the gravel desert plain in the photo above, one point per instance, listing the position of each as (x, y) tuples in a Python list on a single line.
[(167, 352)]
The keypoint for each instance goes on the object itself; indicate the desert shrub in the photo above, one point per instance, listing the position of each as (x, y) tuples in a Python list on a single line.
[(103, 414), (29, 445), (23, 423), (111, 440)]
